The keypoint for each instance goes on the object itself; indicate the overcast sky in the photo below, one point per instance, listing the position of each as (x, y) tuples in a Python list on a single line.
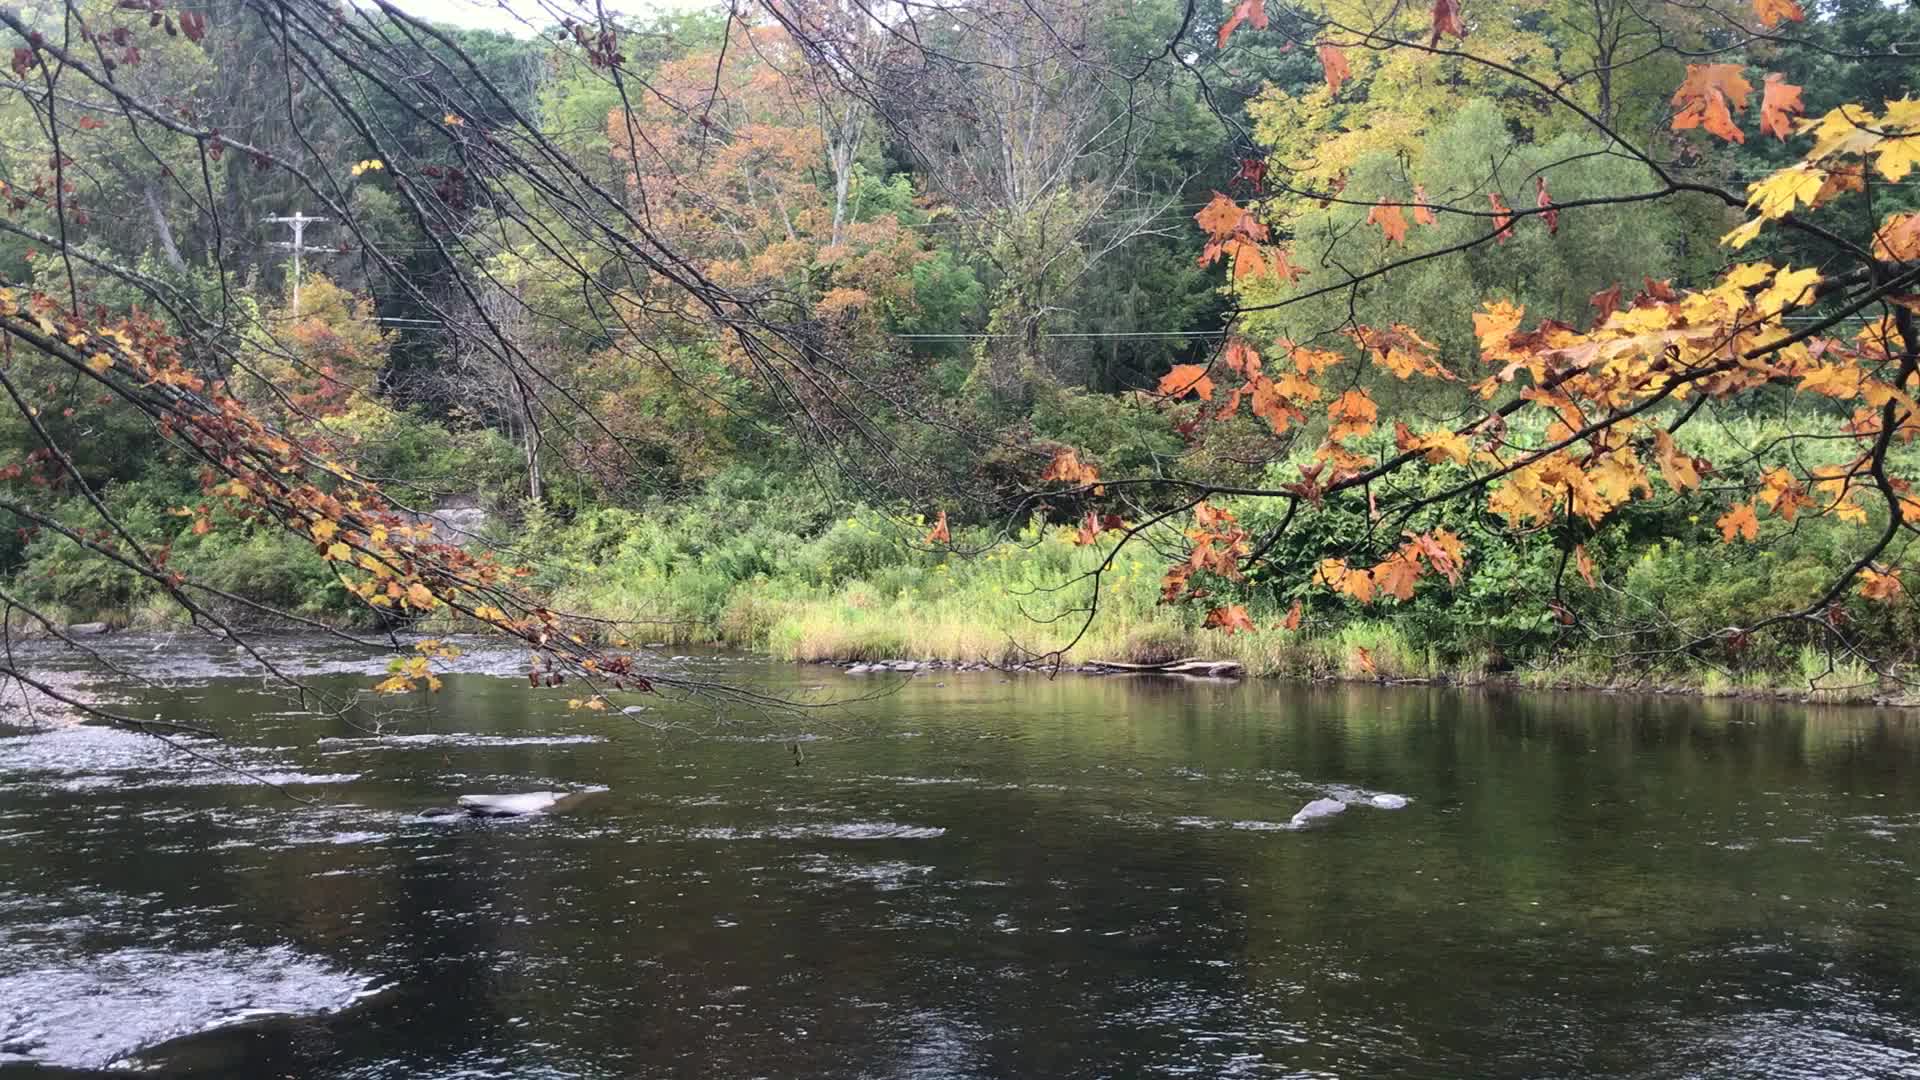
[(500, 14)]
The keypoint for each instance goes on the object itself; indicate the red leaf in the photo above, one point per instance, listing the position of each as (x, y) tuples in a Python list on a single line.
[(939, 534), (1292, 621), (1252, 12), (1253, 171), (1446, 20), (1334, 63)]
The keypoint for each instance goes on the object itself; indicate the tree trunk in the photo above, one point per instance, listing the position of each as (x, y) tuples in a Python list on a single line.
[(161, 230)]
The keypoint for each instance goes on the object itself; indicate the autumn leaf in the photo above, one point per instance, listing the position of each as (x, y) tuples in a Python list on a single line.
[(1779, 104), (1502, 218), (1739, 521), (1232, 618), (1363, 659), (1446, 20), (1898, 238), (339, 552), (421, 597), (1391, 220), (1584, 564), (1067, 467), (1677, 468), (1396, 576), (1333, 63), (1774, 12), (1292, 621), (1353, 414), (1545, 202), (939, 534), (1884, 587), (1422, 213), (1250, 12), (1707, 97), (1184, 379)]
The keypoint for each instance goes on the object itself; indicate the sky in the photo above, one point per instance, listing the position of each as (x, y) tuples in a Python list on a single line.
[(501, 14)]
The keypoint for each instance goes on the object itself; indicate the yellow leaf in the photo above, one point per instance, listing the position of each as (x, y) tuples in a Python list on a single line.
[(99, 362), (1743, 235), (1777, 195), (323, 530), (339, 552), (1897, 157)]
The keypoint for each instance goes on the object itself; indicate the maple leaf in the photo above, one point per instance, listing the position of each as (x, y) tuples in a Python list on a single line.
[(1353, 414), (1584, 564), (1292, 621), (1363, 659), (1333, 63), (1678, 469), (1707, 97), (1251, 12), (1779, 104), (421, 597), (1898, 238), (1774, 12), (1282, 268), (1187, 378), (1545, 202), (1422, 213), (1232, 618), (1391, 220), (1605, 302), (1897, 156), (1884, 587), (1253, 171), (1396, 576), (1502, 218), (1067, 467), (1446, 20), (1739, 521), (940, 534)]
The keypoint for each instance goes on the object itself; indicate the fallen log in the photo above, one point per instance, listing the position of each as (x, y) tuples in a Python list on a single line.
[(1192, 665)]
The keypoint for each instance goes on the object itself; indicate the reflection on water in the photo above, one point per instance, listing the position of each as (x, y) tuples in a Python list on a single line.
[(970, 877)]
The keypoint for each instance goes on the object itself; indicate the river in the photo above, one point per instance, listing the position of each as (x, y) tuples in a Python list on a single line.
[(960, 875)]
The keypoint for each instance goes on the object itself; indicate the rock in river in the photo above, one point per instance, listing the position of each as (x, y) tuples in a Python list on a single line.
[(529, 802), (1318, 808)]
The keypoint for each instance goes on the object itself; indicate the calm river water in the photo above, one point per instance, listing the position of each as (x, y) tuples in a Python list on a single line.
[(970, 876)]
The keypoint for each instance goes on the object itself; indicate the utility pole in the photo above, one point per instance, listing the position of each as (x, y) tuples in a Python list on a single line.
[(299, 221)]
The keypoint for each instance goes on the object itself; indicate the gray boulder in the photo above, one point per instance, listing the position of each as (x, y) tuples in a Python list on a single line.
[(1318, 808)]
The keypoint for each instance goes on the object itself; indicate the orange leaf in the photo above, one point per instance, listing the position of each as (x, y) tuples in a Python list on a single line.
[(1232, 618), (1446, 20), (1388, 216), (1353, 415), (1739, 521), (939, 534), (1779, 104), (1884, 587), (1584, 564), (1292, 621), (1187, 378), (1545, 202), (1333, 63), (1502, 218), (1363, 659), (1680, 470), (1067, 467), (1422, 213), (1774, 12), (420, 596), (1251, 12), (1707, 97)]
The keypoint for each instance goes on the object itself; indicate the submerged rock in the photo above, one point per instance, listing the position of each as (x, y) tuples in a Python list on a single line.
[(1318, 808), (86, 629)]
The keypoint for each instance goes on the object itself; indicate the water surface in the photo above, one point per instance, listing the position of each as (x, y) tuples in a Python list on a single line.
[(972, 876)]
